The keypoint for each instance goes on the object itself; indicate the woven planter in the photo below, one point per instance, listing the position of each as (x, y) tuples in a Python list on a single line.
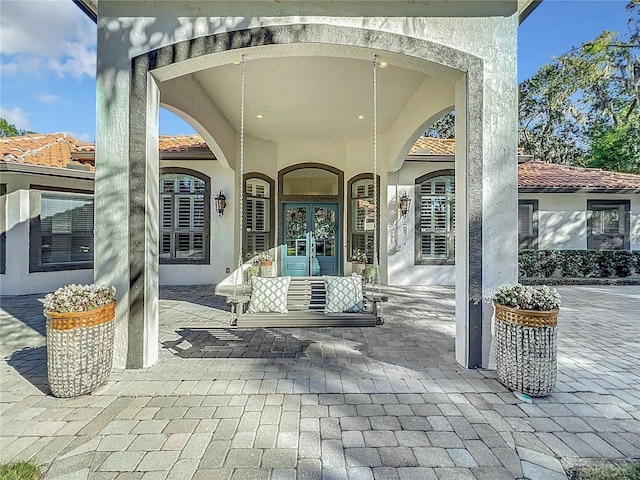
[(79, 350), (357, 267), (526, 350), (266, 269)]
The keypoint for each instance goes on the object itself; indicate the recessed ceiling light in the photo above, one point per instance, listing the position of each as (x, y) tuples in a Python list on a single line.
[(383, 64), (259, 115), (237, 62), (360, 117)]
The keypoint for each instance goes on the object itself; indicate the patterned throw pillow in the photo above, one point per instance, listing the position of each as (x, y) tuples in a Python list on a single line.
[(269, 294), (344, 294)]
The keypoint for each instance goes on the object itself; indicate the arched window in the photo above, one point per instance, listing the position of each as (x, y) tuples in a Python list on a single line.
[(361, 214), (259, 229), (435, 218), (185, 198)]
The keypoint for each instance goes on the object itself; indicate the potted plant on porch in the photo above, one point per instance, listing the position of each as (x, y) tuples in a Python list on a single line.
[(80, 335), (265, 260), (525, 332), (358, 261)]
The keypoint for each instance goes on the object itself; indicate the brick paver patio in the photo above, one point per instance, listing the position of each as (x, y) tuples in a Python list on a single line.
[(388, 402)]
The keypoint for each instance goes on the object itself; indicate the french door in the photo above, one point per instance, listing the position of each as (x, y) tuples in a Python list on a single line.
[(311, 233)]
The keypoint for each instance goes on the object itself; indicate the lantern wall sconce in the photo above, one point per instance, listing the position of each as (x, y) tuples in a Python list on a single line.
[(405, 202), (221, 203)]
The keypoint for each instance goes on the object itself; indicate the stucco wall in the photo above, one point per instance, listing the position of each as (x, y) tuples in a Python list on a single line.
[(16, 204), (17, 280), (562, 219), (220, 240), (401, 231)]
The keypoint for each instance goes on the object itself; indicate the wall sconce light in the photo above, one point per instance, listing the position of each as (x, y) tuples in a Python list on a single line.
[(405, 202), (221, 203)]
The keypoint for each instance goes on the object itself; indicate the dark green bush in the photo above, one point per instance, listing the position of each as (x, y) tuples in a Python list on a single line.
[(528, 263), (578, 263)]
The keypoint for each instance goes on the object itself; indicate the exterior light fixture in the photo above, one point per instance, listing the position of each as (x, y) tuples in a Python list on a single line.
[(383, 64), (221, 203), (360, 117), (259, 116), (405, 202)]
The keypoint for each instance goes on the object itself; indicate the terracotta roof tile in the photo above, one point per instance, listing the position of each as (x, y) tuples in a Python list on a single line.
[(434, 146), (543, 175), (168, 144), (47, 149), (54, 150), (181, 143)]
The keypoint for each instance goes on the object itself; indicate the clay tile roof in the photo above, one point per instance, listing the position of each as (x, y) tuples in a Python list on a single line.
[(46, 149), (434, 146), (167, 144), (181, 143), (544, 175)]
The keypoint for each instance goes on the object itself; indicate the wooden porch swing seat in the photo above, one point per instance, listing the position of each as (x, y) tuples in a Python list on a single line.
[(306, 302)]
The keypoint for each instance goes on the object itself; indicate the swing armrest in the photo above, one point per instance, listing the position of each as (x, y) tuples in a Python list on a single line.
[(238, 302)]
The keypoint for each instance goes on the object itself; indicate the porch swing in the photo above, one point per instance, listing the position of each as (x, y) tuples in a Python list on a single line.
[(308, 304)]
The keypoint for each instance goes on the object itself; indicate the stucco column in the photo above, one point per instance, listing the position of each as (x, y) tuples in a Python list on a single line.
[(142, 348), (111, 214)]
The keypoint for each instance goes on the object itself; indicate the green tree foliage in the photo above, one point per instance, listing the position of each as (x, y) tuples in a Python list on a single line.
[(443, 128), (584, 107), (7, 129)]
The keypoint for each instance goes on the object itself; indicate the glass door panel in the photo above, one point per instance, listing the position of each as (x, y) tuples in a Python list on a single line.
[(310, 235)]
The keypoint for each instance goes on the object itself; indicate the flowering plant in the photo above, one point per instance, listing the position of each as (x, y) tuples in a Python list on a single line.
[(78, 298), (259, 258), (358, 256), (525, 297)]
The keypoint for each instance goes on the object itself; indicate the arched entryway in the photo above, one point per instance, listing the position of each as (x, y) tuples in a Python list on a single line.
[(154, 72)]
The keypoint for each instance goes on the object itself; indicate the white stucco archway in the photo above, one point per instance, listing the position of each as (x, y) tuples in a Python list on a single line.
[(138, 317)]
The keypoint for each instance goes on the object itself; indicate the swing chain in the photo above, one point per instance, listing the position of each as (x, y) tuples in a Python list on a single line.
[(239, 272), (376, 264)]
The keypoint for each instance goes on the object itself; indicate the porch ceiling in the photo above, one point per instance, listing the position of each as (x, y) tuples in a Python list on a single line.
[(309, 99)]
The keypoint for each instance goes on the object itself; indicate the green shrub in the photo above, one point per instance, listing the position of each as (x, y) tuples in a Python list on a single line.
[(548, 261), (578, 263), (611, 472), (528, 263), (20, 471)]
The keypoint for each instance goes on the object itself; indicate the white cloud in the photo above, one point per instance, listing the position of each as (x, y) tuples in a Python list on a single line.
[(83, 137), (15, 116), (44, 36), (49, 98)]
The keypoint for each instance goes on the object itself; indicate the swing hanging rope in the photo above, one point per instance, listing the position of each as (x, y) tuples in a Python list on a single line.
[(376, 264), (239, 272)]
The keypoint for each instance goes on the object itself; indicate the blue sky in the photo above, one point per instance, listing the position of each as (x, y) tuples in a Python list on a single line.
[(47, 58)]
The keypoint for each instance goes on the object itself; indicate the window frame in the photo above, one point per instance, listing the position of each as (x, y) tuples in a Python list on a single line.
[(272, 210), (532, 242), (624, 206), (206, 228), (35, 231), (418, 260), (351, 214)]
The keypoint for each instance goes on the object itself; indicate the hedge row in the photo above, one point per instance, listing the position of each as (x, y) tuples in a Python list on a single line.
[(578, 263)]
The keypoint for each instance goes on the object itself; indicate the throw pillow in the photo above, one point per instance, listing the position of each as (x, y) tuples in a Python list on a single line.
[(269, 294), (344, 294)]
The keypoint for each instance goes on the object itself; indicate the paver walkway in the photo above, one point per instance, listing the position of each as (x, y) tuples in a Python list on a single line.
[(388, 402)]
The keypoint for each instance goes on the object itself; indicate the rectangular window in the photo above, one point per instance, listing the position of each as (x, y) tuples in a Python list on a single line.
[(257, 216), (61, 232), (528, 224), (184, 218), (608, 224), (435, 220), (362, 217)]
